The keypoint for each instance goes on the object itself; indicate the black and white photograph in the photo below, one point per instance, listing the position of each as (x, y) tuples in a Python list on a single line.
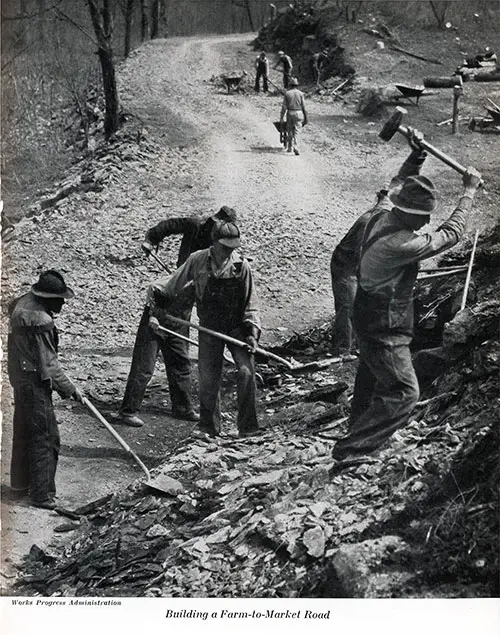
[(250, 295)]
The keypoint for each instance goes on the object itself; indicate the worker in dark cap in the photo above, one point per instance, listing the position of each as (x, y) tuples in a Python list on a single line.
[(386, 388), (34, 372), (196, 235), (226, 302)]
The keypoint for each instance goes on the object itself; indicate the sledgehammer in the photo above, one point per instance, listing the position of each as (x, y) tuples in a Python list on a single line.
[(393, 125)]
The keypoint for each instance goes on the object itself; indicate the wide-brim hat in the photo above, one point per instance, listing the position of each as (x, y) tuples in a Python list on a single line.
[(416, 196), (226, 233), (51, 285), (293, 81)]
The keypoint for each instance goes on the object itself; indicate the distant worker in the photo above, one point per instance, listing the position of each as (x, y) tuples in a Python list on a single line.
[(286, 65), (34, 372), (317, 63), (226, 302), (196, 235), (386, 388), (294, 110), (345, 257), (262, 70)]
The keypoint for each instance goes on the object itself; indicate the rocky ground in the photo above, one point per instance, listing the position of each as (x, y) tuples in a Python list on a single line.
[(266, 509)]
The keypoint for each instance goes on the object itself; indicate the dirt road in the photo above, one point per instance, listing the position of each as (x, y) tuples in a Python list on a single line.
[(217, 149)]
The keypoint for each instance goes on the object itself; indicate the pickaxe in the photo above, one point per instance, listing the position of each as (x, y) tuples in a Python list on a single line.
[(393, 125)]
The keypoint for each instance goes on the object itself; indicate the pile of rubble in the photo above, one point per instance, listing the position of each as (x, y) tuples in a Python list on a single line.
[(302, 30), (268, 517)]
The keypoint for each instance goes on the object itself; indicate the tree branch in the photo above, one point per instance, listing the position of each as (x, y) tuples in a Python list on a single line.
[(27, 16), (76, 25)]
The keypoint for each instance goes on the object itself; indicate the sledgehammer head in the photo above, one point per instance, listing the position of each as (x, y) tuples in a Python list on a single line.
[(391, 126)]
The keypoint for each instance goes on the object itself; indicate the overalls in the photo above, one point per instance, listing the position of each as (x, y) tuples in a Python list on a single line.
[(221, 309), (386, 387), (261, 72), (36, 441)]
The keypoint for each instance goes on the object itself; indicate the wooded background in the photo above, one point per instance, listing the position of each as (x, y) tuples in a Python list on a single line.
[(58, 59)]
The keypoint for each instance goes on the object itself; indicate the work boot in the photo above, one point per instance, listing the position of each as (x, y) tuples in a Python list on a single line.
[(296, 151), (132, 421), (251, 433), (48, 503), (185, 415), (202, 430)]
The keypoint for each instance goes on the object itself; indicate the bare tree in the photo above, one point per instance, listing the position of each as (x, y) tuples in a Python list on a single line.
[(439, 9), (155, 18), (129, 12), (144, 20), (102, 20), (245, 4)]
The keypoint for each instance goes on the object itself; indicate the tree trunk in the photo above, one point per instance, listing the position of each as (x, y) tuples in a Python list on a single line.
[(144, 20), (250, 17), (111, 117), (155, 19), (129, 11), (102, 22)]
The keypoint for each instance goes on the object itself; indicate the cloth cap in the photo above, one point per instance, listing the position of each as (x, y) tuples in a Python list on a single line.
[(281, 53), (227, 234), (416, 196), (51, 285), (293, 81), (226, 214)]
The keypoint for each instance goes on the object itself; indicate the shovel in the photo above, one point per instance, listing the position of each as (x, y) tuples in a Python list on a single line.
[(162, 484), (292, 367)]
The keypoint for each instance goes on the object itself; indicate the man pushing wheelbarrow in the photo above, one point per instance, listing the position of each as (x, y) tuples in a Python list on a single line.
[(294, 108)]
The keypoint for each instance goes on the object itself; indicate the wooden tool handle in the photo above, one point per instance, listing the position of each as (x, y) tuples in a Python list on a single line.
[(437, 153), (110, 428), (229, 340)]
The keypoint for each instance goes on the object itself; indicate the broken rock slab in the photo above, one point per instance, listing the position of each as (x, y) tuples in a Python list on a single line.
[(363, 570)]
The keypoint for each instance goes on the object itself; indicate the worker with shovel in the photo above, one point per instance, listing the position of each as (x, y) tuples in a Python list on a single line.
[(345, 257), (226, 302), (386, 388), (196, 235), (34, 372)]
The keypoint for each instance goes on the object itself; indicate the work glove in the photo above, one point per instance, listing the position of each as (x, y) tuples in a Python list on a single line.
[(251, 343), (414, 139), (472, 180), (148, 247), (78, 395)]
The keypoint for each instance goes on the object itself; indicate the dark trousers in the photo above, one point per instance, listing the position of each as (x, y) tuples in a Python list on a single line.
[(286, 79), (36, 441), (344, 291), (210, 362), (177, 365), (264, 81), (385, 393)]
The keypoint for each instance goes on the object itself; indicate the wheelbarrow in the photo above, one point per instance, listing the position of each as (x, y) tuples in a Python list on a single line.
[(410, 92), (281, 128), (233, 81)]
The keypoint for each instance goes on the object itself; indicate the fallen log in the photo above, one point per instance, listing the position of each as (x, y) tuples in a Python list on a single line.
[(442, 82), (418, 57), (487, 77)]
